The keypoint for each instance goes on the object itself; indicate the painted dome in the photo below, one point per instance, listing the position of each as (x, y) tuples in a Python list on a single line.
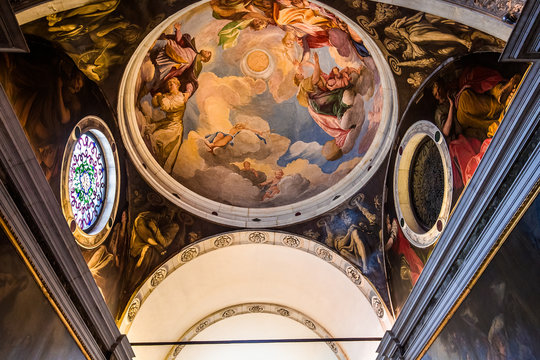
[(257, 115)]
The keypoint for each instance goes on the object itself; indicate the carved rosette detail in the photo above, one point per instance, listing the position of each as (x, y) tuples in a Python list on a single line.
[(291, 241), (324, 254), (228, 313), (201, 326), (309, 324), (332, 346), (377, 306), (257, 237), (256, 309), (223, 241), (189, 254), (158, 276), (283, 312), (133, 309), (354, 275)]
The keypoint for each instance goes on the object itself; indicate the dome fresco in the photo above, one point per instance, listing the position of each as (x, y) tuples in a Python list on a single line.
[(256, 107)]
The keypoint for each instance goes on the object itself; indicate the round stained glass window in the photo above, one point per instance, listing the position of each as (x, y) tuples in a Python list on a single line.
[(87, 181), (90, 182)]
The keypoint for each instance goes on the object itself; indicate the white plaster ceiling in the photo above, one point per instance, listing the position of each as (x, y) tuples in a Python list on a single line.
[(255, 273)]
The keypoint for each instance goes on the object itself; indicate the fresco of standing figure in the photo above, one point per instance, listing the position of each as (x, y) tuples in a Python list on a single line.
[(166, 135)]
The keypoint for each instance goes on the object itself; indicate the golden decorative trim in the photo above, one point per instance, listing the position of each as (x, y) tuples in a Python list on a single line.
[(39, 281), (494, 250)]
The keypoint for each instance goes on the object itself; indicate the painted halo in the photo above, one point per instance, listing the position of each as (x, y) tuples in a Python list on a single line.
[(222, 117), (421, 133), (90, 182)]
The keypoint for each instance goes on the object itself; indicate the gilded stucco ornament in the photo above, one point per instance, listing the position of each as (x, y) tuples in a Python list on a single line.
[(291, 241), (257, 237), (158, 276), (189, 254), (133, 309), (223, 241), (324, 254), (354, 274)]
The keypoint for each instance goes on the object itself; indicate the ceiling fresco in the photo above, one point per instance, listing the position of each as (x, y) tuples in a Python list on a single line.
[(279, 101), (259, 114)]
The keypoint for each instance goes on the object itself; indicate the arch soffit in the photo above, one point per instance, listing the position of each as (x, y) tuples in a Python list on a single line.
[(257, 239)]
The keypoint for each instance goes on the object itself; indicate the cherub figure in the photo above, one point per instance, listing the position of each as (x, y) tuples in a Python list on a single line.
[(273, 185), (222, 139)]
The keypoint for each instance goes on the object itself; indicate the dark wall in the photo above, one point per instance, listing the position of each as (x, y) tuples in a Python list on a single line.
[(499, 319), (29, 326)]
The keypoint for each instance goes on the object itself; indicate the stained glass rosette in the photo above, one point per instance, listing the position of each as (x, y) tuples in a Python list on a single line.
[(87, 181)]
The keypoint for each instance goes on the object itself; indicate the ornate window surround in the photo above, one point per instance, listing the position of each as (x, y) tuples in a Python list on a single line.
[(103, 224)]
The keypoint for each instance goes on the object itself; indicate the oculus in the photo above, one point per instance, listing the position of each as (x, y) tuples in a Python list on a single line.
[(89, 186), (87, 181), (423, 184)]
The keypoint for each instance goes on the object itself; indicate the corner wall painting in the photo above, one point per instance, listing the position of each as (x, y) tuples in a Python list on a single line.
[(30, 327), (49, 95), (499, 318), (466, 100)]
